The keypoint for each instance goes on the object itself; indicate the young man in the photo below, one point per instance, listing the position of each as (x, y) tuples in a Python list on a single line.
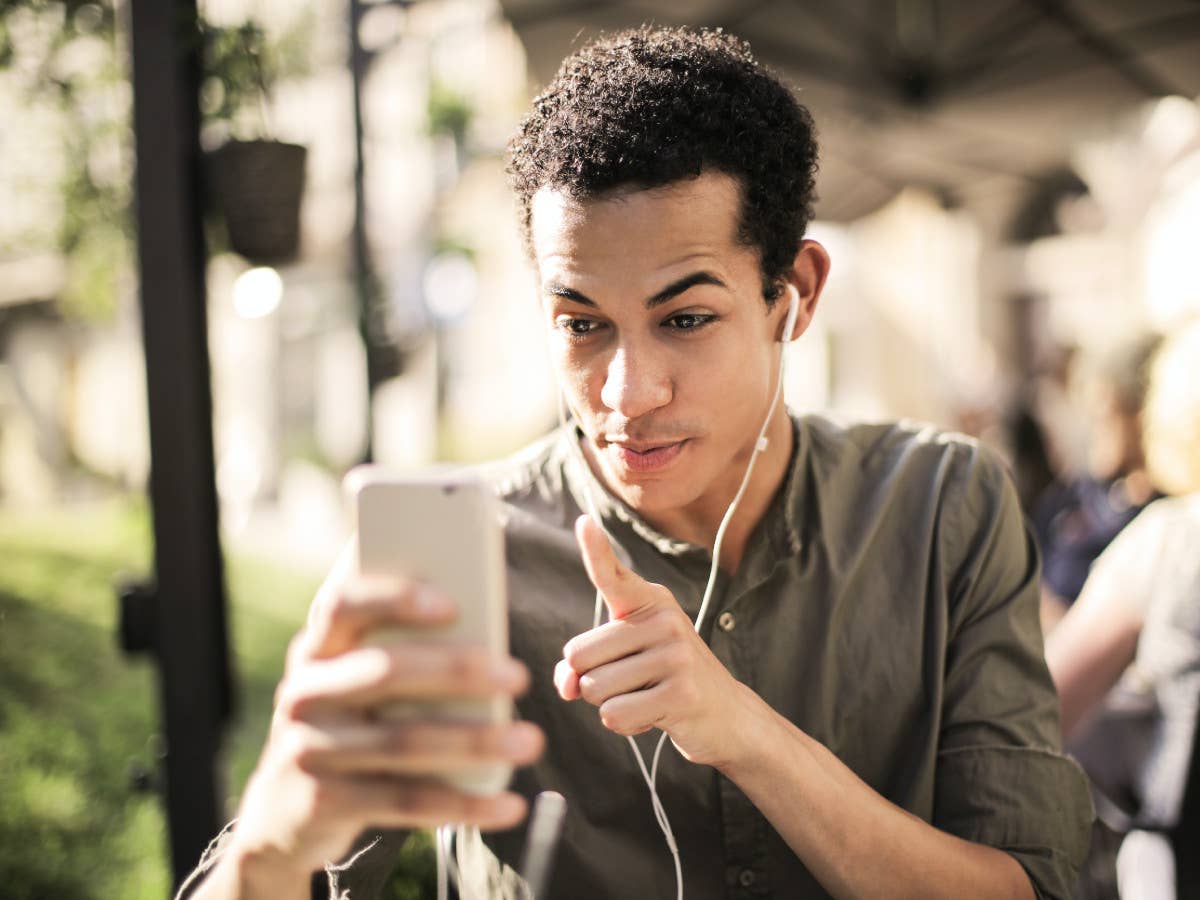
[(868, 712)]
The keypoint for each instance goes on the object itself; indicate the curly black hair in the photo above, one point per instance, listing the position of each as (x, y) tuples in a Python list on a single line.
[(652, 106)]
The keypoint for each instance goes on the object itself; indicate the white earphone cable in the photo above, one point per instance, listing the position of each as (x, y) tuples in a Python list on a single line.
[(760, 444)]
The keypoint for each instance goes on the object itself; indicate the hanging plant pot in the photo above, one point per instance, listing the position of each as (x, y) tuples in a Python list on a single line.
[(258, 187)]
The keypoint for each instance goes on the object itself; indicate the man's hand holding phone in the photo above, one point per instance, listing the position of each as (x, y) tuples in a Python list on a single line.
[(333, 766)]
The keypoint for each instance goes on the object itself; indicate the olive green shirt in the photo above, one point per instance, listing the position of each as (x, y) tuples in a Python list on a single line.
[(887, 604)]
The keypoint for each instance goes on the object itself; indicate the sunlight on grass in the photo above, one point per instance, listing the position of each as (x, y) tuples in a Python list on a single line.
[(77, 714), (73, 714)]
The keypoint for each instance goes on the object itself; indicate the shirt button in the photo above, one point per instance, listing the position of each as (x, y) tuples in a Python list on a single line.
[(746, 878), (727, 623)]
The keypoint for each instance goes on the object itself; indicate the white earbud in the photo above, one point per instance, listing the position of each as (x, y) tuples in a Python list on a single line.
[(792, 314)]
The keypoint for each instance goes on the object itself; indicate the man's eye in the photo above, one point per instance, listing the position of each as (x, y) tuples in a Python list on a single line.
[(689, 321), (578, 327)]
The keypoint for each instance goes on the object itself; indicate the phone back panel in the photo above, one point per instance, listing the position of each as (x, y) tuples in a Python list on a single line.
[(442, 530)]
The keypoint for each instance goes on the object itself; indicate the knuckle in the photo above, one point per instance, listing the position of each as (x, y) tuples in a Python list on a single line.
[(590, 690), (290, 702), (571, 651), (482, 742), (611, 718), (329, 589), (660, 617), (676, 623), (296, 751), (339, 606), (685, 692), (473, 807), (466, 741), (469, 667), (409, 598), (675, 655), (322, 795), (477, 808), (401, 795), (423, 800), (389, 671), (308, 758), (401, 740), (296, 649), (460, 804)]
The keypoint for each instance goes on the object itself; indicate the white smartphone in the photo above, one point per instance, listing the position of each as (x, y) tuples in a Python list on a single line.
[(443, 530)]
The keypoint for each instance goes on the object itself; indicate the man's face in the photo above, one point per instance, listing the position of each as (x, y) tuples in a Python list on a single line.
[(662, 341)]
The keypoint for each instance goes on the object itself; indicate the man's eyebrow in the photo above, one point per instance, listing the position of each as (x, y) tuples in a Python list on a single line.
[(672, 290), (675, 288), (554, 289)]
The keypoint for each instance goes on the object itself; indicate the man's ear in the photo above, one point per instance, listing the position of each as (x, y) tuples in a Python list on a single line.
[(807, 276)]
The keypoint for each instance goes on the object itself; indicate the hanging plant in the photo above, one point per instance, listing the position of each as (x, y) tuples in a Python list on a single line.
[(257, 181)]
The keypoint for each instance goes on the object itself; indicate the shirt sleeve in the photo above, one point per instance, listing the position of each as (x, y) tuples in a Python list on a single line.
[(1001, 779)]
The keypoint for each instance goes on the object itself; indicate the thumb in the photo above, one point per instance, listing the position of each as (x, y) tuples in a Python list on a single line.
[(624, 591)]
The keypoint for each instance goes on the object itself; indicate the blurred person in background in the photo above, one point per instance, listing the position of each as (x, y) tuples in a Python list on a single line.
[(1126, 657), (1029, 457), (1076, 519), (866, 710)]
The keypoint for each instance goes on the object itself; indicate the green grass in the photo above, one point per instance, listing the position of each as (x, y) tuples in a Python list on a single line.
[(76, 714)]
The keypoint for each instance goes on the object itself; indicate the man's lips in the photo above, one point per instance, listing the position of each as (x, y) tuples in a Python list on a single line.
[(640, 456)]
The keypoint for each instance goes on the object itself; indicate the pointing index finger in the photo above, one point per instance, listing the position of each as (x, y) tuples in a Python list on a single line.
[(603, 567)]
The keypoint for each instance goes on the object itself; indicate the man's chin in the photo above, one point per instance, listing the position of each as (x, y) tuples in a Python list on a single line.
[(650, 497)]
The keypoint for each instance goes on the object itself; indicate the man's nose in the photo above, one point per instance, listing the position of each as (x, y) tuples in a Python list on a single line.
[(635, 382)]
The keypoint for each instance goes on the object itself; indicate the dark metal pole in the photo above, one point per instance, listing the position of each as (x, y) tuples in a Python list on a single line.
[(364, 276), (189, 625)]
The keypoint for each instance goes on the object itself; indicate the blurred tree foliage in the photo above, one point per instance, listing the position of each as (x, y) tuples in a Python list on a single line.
[(70, 56), (448, 112), (242, 66), (62, 55)]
